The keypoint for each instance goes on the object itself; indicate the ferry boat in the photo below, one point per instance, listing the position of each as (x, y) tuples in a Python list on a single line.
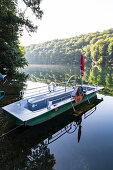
[(44, 103)]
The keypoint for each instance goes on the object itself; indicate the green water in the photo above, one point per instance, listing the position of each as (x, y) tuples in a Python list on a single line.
[(66, 142)]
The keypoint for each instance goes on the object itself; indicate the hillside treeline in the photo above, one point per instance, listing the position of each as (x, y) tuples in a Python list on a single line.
[(97, 48)]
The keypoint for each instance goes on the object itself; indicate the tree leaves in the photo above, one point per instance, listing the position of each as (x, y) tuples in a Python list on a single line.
[(12, 23), (97, 48)]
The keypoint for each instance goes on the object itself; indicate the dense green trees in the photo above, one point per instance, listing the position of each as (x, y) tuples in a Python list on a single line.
[(12, 22), (97, 48)]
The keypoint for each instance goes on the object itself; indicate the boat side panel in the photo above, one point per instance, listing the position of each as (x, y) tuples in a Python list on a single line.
[(53, 113), (13, 118), (48, 115)]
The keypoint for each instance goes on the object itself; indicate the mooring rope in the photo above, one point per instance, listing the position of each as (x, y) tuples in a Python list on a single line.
[(73, 107), (4, 134), (87, 99)]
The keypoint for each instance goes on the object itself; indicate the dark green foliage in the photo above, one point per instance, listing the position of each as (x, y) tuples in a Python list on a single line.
[(35, 7), (11, 26), (97, 48)]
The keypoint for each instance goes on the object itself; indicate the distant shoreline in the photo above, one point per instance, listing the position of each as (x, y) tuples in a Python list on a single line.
[(44, 65)]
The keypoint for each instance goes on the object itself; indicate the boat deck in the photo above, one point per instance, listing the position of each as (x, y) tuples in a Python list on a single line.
[(44, 102)]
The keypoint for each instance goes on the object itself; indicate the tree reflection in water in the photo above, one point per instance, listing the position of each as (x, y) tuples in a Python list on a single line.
[(93, 74), (40, 158), (28, 148), (103, 75), (12, 85)]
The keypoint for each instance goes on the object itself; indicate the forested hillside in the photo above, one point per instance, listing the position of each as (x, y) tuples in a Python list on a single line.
[(97, 48)]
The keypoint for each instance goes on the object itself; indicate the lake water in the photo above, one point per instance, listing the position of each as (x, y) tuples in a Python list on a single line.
[(68, 142)]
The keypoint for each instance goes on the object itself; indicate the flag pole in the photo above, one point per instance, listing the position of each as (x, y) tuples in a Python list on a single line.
[(81, 81), (82, 69)]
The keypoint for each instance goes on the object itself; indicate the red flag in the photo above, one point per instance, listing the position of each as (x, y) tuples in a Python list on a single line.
[(82, 65)]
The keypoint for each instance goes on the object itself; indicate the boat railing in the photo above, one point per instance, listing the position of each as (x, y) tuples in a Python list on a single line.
[(96, 84), (70, 81), (62, 132), (44, 89), (90, 87), (36, 92), (33, 92)]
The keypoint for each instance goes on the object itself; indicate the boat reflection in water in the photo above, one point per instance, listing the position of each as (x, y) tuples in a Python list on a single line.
[(31, 144), (72, 121)]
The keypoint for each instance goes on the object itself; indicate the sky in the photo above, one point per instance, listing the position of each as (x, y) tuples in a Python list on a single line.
[(68, 18)]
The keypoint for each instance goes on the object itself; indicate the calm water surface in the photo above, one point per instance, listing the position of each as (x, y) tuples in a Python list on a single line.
[(95, 149), (66, 142)]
